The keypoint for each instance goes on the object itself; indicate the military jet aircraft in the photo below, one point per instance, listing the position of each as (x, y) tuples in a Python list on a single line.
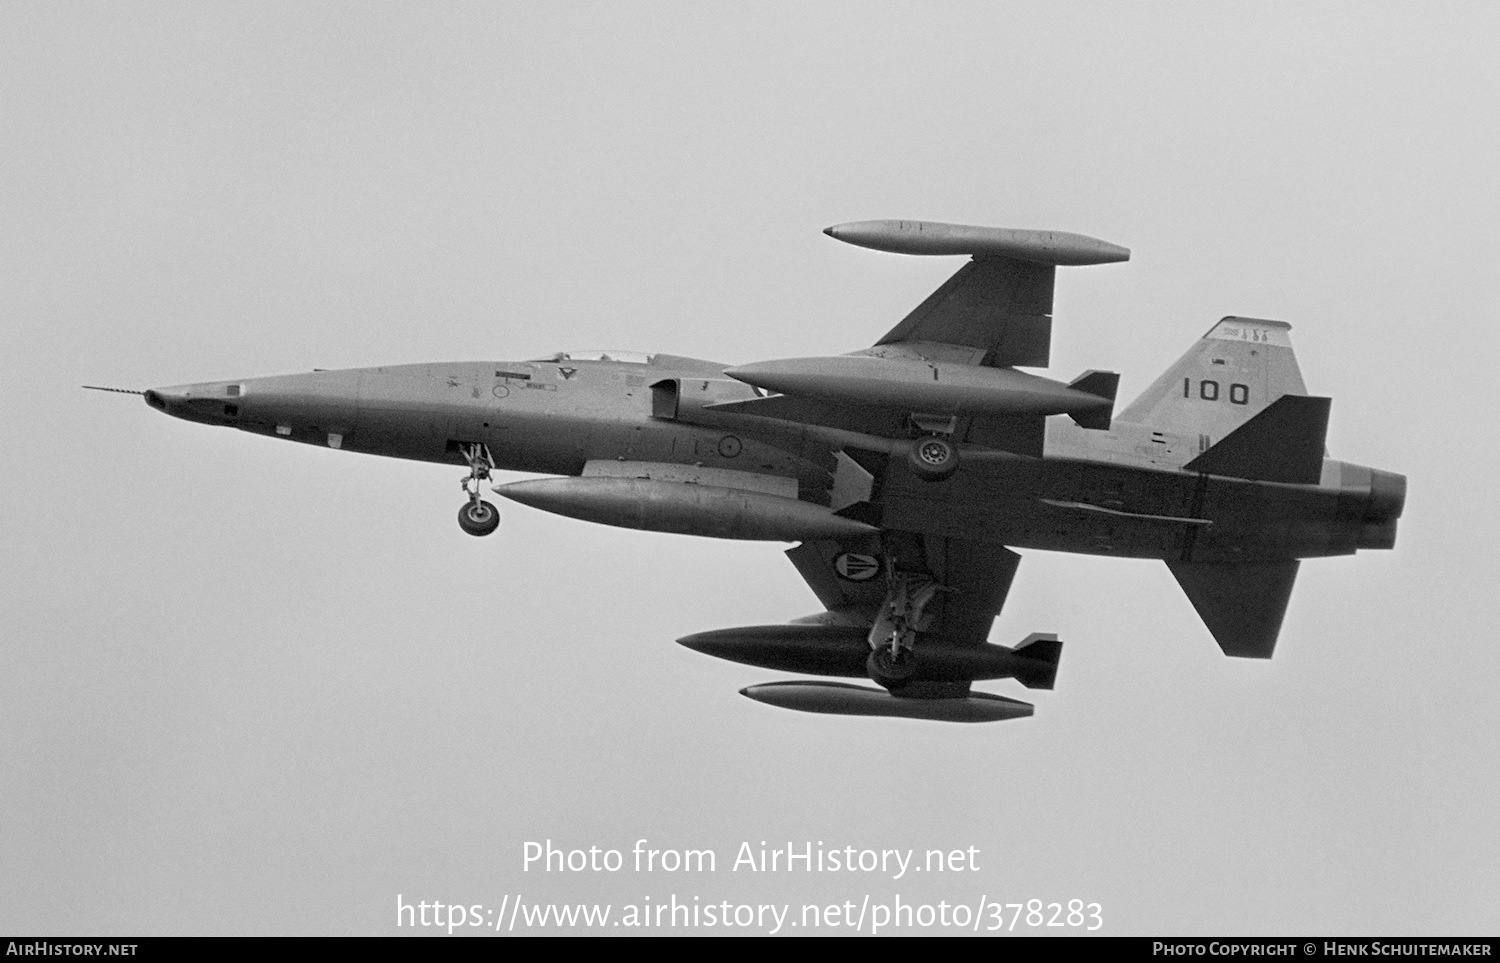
[(906, 472)]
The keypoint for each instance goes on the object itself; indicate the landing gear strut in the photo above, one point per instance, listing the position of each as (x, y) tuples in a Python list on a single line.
[(477, 517), (893, 637)]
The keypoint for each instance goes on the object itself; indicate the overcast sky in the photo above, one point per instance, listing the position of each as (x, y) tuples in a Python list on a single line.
[(256, 687)]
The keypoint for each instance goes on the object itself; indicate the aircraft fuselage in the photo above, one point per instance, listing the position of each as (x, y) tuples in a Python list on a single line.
[(1119, 492)]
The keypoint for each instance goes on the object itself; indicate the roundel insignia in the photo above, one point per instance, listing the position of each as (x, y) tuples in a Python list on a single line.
[(856, 567), (730, 446)]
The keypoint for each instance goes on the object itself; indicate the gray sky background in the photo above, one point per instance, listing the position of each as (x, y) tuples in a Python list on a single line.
[(263, 688)]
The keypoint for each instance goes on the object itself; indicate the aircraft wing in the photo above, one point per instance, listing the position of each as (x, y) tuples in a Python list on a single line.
[(972, 580), (949, 367), (975, 578), (999, 305)]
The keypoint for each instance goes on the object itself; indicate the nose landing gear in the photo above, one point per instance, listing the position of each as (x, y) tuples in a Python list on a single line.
[(477, 517)]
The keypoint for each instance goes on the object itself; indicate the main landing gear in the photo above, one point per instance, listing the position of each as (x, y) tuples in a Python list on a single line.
[(893, 637), (933, 456), (477, 517)]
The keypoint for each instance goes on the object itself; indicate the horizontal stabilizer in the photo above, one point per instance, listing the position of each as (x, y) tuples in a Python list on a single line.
[(838, 698), (1242, 603), (1284, 443)]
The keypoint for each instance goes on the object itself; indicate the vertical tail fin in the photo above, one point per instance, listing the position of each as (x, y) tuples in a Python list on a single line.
[(1232, 374)]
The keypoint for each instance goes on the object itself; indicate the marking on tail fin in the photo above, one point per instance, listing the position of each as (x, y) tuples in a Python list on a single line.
[(1239, 368)]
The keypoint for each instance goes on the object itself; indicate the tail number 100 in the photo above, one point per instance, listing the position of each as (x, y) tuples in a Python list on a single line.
[(1208, 390)]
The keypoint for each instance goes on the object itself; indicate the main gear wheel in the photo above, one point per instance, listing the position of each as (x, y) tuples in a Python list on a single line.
[(933, 457)]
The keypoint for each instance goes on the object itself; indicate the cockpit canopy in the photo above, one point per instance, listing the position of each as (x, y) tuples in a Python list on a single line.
[(626, 357), (658, 360)]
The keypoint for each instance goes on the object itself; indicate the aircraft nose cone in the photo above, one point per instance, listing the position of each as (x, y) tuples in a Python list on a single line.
[(175, 396), (213, 403)]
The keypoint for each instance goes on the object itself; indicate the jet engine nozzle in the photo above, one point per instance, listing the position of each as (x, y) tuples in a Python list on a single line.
[(1387, 498), (1387, 495)]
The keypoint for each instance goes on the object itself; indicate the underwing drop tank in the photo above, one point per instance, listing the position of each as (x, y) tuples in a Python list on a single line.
[(686, 509), (843, 650), (840, 698), (932, 387)]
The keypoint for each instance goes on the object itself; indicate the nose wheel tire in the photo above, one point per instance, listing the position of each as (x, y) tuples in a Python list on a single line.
[(933, 458), (478, 518)]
